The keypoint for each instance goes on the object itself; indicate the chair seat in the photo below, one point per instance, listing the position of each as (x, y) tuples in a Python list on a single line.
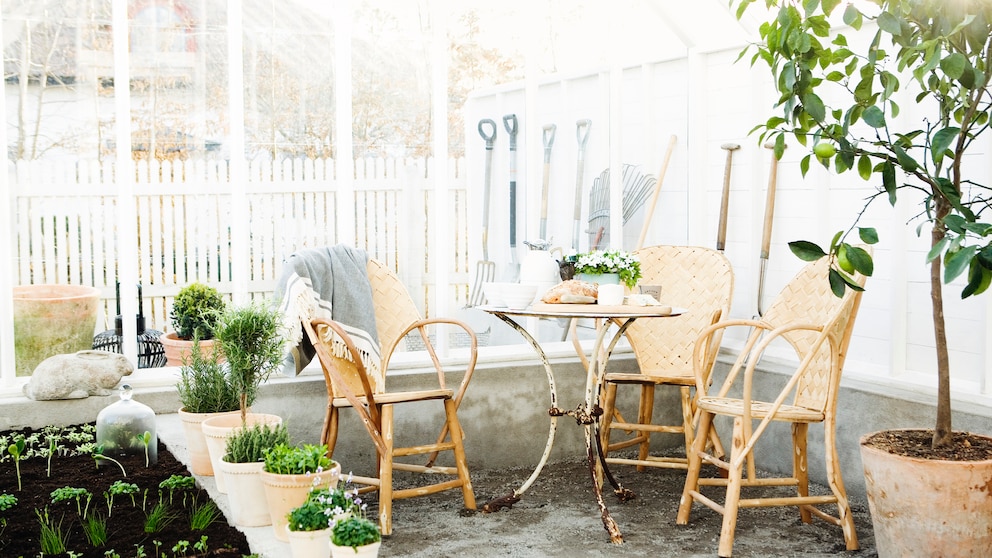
[(759, 410), (399, 397), (648, 378)]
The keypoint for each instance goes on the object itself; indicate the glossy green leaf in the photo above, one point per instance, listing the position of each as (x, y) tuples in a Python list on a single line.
[(954, 65), (837, 284), (814, 106), (806, 251), (979, 279), (889, 180), (874, 117), (864, 167), (868, 235), (955, 263), (861, 260), (889, 23), (941, 141), (937, 249)]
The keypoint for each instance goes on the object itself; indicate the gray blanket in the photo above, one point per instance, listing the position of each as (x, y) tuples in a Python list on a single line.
[(330, 283)]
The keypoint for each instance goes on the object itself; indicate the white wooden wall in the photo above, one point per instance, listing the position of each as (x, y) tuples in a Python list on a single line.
[(706, 100)]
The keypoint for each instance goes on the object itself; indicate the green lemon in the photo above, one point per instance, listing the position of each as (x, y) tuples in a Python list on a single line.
[(824, 150)]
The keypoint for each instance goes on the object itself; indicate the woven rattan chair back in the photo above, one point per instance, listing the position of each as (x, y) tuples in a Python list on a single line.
[(395, 311), (697, 278), (808, 298)]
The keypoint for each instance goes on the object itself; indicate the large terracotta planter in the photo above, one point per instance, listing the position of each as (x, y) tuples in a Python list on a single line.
[(52, 320), (245, 493), (310, 544), (922, 507), (216, 431), (285, 492), (177, 350), (196, 443)]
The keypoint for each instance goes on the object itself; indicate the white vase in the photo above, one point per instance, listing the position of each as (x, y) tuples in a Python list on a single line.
[(367, 551), (310, 544), (246, 493), (196, 444), (216, 431), (599, 278)]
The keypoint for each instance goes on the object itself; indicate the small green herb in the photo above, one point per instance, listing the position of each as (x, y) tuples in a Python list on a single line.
[(297, 460), (159, 517), (67, 493), (95, 529), (98, 456), (203, 516), (53, 537), (355, 531), (16, 450)]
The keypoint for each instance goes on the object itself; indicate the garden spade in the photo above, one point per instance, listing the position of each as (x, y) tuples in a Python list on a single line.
[(485, 270), (721, 231), (766, 232), (549, 140), (582, 136), (513, 271)]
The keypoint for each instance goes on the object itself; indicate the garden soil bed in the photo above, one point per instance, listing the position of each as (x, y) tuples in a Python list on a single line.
[(125, 522)]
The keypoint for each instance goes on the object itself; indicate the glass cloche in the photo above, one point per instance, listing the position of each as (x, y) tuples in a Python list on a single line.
[(127, 427)]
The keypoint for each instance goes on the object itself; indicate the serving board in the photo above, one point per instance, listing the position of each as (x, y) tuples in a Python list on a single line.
[(596, 308)]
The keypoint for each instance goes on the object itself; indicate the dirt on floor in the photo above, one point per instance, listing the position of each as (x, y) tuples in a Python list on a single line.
[(558, 516)]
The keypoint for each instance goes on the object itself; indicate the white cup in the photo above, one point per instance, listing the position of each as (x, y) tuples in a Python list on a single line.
[(610, 295)]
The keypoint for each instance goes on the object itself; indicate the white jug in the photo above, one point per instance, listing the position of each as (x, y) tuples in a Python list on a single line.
[(539, 267)]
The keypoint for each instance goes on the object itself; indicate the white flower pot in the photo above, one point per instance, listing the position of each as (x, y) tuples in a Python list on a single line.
[(367, 551), (310, 544), (196, 444), (218, 429), (246, 493)]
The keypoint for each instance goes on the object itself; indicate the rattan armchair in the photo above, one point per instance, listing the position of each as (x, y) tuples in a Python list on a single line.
[(818, 326), (349, 384), (702, 280)]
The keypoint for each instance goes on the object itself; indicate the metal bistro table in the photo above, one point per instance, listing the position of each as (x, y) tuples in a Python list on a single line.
[(588, 412)]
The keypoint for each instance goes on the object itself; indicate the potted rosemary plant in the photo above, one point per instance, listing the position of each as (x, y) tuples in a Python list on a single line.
[(840, 98), (250, 339), (204, 391)]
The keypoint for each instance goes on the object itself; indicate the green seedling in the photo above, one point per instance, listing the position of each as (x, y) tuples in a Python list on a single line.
[(16, 450), (146, 440), (98, 456), (67, 493)]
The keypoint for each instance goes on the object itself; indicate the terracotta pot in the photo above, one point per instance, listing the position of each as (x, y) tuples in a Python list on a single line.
[(216, 431), (52, 320), (310, 544), (367, 551), (285, 492), (196, 444), (246, 494), (928, 507), (178, 350)]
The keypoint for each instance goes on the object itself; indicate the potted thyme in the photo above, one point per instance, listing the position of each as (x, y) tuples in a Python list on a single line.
[(241, 467)]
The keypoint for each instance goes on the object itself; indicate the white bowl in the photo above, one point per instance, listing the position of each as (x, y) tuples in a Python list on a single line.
[(494, 294), (518, 296)]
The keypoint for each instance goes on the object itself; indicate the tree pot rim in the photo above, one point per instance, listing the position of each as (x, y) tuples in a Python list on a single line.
[(866, 445)]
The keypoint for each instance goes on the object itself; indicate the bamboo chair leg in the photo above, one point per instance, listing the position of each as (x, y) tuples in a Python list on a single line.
[(731, 503), (687, 432), (695, 463), (836, 483), (461, 465), (645, 411), (329, 434), (386, 473), (800, 466)]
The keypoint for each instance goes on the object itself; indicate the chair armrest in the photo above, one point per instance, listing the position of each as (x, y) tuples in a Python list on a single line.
[(421, 326)]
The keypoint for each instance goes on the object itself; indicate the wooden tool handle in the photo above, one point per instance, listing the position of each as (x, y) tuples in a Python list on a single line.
[(657, 192)]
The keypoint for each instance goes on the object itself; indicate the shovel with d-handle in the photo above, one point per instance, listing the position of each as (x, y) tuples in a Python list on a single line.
[(485, 270), (549, 140), (721, 231), (582, 136), (513, 271), (766, 232)]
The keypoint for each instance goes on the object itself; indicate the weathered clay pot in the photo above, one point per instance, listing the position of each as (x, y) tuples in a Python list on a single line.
[(249, 505), (178, 350), (52, 320), (924, 507)]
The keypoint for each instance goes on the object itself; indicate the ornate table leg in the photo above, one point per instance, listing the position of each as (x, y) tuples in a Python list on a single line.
[(512, 498)]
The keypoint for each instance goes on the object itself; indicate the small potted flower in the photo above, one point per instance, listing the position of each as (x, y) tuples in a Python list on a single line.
[(355, 536), (309, 524), (596, 267)]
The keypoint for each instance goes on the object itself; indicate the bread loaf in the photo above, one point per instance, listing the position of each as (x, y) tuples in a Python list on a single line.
[(570, 287)]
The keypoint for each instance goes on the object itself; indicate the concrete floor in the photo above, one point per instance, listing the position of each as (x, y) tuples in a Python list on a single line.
[(557, 516)]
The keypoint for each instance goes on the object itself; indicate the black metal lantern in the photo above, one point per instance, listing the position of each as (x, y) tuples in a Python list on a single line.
[(150, 351)]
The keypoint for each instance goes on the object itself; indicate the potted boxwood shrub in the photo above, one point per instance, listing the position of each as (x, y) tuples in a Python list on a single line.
[(249, 337), (840, 100), (290, 472), (204, 391), (241, 466), (196, 309)]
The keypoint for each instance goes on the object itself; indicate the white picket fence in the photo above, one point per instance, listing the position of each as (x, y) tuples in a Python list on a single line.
[(67, 218)]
